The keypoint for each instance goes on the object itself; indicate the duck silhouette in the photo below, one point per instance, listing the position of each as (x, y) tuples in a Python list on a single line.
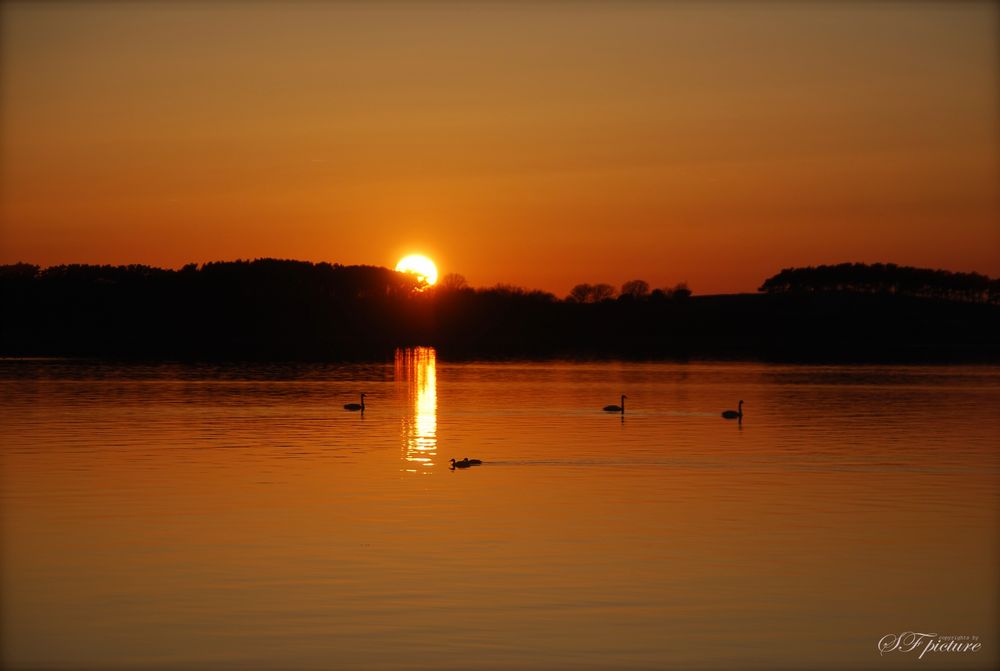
[(616, 408)]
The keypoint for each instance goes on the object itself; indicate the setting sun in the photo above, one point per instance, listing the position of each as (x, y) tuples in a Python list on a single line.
[(419, 265)]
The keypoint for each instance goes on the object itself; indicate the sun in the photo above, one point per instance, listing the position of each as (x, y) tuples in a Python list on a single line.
[(419, 265)]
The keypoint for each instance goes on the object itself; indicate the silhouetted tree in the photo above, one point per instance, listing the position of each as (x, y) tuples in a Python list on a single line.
[(591, 293), (581, 293), (635, 289), (681, 291), (453, 282), (602, 292), (678, 292)]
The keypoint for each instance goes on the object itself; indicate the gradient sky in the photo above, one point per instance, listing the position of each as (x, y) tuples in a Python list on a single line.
[(539, 144)]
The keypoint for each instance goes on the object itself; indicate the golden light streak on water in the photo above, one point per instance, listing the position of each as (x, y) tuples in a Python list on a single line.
[(417, 368)]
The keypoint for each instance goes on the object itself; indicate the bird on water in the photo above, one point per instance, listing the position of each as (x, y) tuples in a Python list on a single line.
[(616, 408), (354, 407), (734, 414), (465, 463)]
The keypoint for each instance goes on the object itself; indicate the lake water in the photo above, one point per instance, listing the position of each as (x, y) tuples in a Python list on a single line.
[(236, 517)]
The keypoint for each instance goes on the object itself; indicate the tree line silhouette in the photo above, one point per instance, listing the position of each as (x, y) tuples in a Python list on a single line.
[(886, 278), (630, 291), (276, 309)]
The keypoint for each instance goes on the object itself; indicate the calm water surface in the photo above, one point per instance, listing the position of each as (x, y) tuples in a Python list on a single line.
[(222, 517)]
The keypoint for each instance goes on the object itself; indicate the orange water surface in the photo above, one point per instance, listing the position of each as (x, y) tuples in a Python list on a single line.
[(236, 517)]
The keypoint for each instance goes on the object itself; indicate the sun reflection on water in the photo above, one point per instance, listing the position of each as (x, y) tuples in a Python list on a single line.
[(416, 368)]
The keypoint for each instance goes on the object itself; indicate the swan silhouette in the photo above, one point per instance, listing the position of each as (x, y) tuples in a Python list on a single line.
[(734, 414), (354, 407), (616, 408)]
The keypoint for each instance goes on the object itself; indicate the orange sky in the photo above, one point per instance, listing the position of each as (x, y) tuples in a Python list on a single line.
[(539, 144)]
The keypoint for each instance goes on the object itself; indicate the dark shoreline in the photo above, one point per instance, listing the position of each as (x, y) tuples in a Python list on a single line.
[(273, 311)]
